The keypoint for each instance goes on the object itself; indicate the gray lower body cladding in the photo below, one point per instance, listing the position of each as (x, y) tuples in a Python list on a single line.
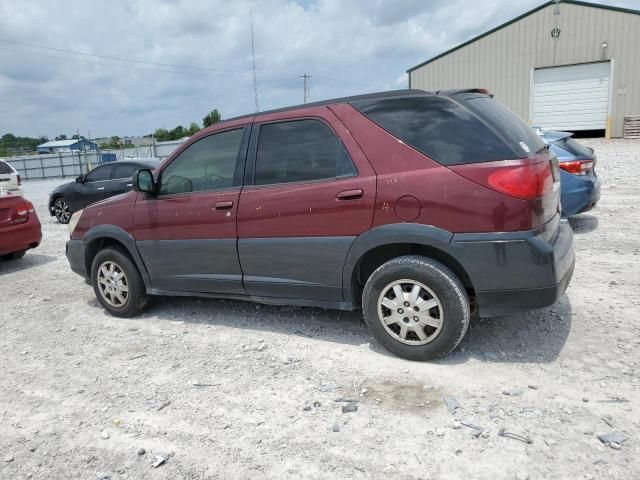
[(509, 272), (517, 271)]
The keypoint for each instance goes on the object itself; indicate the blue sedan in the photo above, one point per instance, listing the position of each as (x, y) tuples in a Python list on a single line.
[(579, 184)]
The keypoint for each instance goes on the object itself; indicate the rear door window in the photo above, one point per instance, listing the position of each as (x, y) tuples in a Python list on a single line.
[(440, 128), (299, 151)]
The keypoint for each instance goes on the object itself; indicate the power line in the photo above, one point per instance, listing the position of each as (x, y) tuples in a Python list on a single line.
[(119, 59), (274, 73), (91, 62), (93, 94)]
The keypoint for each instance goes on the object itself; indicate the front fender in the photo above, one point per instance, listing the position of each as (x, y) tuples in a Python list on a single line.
[(113, 232)]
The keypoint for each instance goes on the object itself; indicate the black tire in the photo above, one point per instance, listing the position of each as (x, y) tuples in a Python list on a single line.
[(13, 256), (453, 308), (135, 299), (62, 210)]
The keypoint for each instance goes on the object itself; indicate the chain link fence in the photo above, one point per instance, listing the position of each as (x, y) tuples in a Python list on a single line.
[(76, 163)]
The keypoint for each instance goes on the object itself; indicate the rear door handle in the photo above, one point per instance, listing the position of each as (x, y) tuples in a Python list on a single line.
[(223, 205), (350, 194), (100, 188), (129, 184)]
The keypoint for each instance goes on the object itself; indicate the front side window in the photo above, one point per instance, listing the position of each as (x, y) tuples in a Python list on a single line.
[(99, 174), (298, 151), (207, 164)]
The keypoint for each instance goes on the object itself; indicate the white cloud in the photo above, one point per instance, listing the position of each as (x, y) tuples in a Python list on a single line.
[(348, 46)]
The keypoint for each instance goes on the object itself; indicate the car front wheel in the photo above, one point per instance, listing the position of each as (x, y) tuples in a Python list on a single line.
[(61, 210), (117, 283), (416, 307)]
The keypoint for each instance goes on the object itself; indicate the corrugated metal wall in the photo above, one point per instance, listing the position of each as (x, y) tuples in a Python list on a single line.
[(502, 61)]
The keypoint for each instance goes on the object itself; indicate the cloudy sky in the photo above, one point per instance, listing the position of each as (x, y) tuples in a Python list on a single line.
[(127, 67)]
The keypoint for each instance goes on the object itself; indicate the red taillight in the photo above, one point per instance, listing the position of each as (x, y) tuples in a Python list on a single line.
[(21, 212), (528, 181), (577, 167)]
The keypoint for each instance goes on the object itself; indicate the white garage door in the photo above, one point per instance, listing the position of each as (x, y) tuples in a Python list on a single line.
[(571, 98)]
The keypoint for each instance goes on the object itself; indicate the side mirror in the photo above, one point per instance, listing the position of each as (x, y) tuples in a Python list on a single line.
[(80, 179), (143, 181)]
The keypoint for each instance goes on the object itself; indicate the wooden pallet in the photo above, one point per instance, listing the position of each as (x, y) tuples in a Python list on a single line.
[(631, 126)]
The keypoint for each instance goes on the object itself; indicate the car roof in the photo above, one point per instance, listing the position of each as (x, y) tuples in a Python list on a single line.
[(149, 162), (407, 92)]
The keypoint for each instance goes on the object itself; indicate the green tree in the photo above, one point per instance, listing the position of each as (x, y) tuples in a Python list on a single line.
[(62, 136), (193, 129), (212, 117), (161, 134), (177, 133)]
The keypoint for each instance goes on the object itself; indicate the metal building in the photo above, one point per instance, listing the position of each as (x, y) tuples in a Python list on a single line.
[(55, 146), (565, 65)]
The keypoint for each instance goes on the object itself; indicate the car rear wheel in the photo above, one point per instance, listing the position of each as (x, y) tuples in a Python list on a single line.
[(61, 210), (117, 283), (416, 307), (13, 256)]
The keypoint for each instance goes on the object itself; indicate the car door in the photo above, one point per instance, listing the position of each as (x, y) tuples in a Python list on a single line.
[(186, 233), (92, 189), (121, 179), (309, 191)]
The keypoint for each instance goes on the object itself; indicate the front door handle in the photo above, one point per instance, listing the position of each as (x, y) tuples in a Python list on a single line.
[(129, 184), (223, 205), (100, 188), (350, 194)]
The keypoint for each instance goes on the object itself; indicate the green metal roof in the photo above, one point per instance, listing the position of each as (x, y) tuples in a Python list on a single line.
[(546, 4)]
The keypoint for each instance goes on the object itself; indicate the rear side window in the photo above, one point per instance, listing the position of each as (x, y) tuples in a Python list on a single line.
[(521, 137), (5, 168), (574, 147), (298, 151), (438, 127), (124, 171)]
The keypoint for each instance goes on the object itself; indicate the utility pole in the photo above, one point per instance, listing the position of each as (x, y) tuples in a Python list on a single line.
[(306, 86), (253, 59)]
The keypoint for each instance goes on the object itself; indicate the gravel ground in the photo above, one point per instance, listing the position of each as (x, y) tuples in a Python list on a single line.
[(227, 389)]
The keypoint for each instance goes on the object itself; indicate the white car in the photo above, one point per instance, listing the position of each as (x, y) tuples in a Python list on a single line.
[(10, 183)]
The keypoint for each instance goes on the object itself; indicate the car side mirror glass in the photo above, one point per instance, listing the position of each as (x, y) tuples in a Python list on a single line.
[(80, 179), (143, 181)]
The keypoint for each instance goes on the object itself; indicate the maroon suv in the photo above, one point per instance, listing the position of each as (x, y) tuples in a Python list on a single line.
[(421, 208)]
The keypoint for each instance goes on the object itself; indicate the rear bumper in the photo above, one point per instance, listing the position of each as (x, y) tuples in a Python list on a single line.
[(21, 237), (579, 193), (517, 271), (75, 251)]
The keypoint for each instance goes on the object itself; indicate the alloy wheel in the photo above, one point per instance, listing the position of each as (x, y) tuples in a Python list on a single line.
[(62, 211), (113, 284), (410, 312)]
